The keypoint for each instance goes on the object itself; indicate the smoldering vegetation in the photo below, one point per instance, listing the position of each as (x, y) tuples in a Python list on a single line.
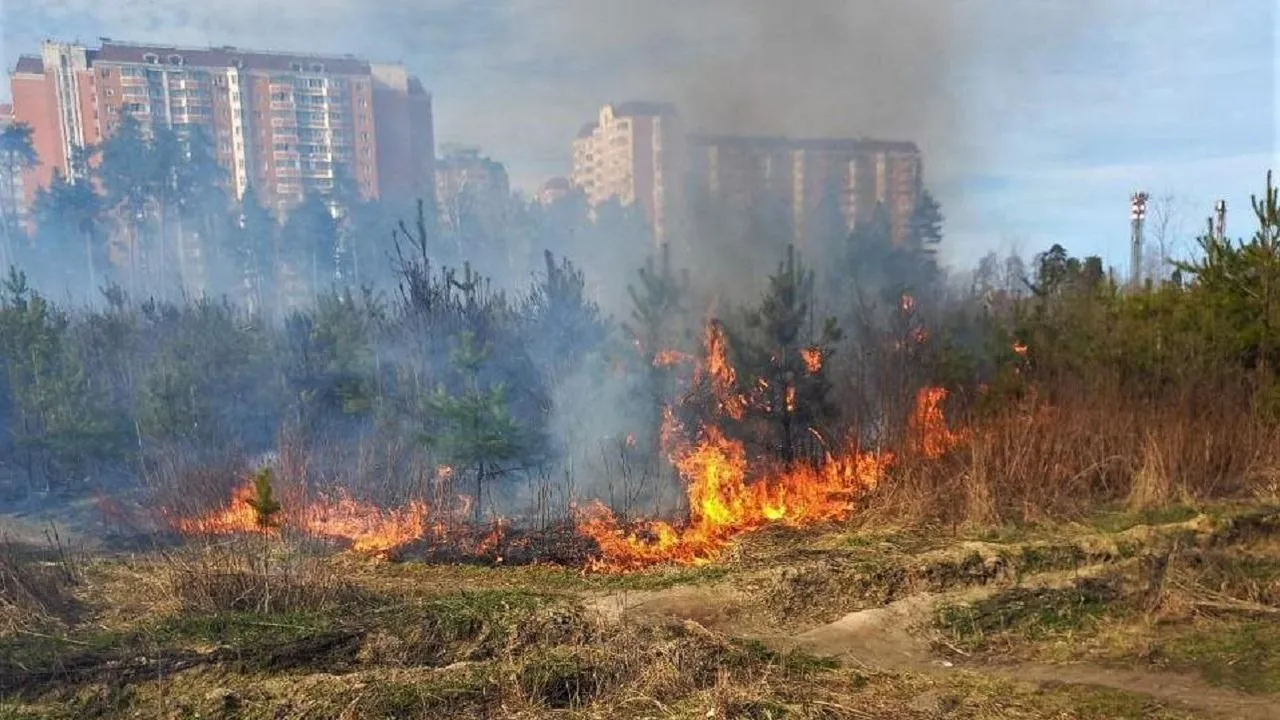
[(1063, 388)]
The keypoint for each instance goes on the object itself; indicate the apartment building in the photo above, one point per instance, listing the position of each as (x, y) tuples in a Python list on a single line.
[(633, 153), (467, 181), (554, 190), (745, 172), (285, 123)]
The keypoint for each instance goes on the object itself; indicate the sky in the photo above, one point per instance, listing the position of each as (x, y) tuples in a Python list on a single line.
[(1037, 118)]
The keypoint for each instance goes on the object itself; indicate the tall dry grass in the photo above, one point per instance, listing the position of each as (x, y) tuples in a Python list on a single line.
[(1036, 462)]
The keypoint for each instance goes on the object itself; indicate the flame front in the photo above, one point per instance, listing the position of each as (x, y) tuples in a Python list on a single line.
[(369, 528), (726, 498)]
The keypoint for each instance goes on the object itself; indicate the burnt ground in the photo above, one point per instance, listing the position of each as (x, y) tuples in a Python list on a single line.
[(1164, 615)]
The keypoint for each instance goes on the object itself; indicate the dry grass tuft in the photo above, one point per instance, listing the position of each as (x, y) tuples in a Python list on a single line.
[(248, 576), (36, 586)]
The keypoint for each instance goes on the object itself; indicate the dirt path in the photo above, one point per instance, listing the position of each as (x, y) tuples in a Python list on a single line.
[(891, 639)]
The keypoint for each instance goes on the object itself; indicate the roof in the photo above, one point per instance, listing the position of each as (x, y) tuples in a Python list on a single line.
[(228, 56), (637, 108), (851, 145), (29, 65), (741, 141), (586, 130), (855, 145)]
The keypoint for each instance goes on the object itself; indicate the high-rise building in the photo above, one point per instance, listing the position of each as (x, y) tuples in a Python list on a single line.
[(468, 182), (554, 190), (859, 174), (633, 153), (285, 123)]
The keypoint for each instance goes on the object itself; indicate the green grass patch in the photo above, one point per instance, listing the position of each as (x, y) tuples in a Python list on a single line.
[(1241, 655), (1029, 614), (1114, 521), (39, 651), (238, 629), (448, 696), (1040, 558)]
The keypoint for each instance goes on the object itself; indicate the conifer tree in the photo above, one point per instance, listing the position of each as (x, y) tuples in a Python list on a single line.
[(266, 508), (478, 433), (787, 352)]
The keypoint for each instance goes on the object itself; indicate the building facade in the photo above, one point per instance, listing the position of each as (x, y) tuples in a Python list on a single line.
[(467, 181), (634, 153), (287, 124), (796, 176), (554, 190)]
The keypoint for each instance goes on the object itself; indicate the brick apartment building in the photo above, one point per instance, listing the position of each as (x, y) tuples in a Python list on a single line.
[(637, 153), (467, 180), (633, 152), (744, 171), (283, 123)]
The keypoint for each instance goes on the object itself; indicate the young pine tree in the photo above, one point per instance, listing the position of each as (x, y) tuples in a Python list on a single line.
[(788, 353), (478, 433)]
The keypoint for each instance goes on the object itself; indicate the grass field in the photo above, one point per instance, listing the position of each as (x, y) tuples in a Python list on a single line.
[(1168, 614)]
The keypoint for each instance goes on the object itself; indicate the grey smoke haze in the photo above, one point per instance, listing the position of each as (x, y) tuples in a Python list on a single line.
[(992, 89), (519, 75)]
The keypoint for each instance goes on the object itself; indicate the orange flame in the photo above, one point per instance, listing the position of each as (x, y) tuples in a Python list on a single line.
[(369, 528), (813, 359), (668, 358), (929, 425), (724, 378), (723, 500)]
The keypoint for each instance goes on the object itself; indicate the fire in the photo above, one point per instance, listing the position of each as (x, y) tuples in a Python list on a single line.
[(724, 379), (813, 359), (724, 505), (370, 529), (727, 494), (237, 517), (668, 358), (727, 497), (929, 425)]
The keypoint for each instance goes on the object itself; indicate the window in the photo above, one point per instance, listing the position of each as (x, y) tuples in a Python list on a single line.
[(317, 67), (175, 59), (110, 92), (296, 67), (105, 72), (151, 58)]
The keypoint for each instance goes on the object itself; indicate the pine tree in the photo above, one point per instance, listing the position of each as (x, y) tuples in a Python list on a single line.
[(17, 156), (657, 325), (266, 508), (788, 355), (477, 432)]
